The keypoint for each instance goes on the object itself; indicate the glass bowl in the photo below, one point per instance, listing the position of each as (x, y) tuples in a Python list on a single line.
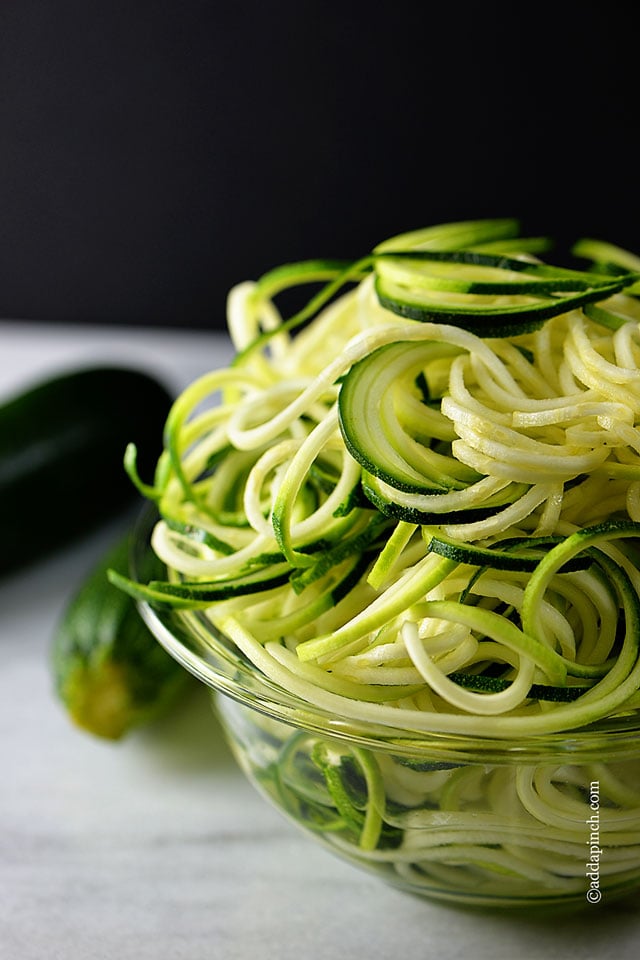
[(543, 821)]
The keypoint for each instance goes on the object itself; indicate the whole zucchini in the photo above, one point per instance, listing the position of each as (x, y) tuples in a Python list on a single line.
[(61, 448), (109, 671)]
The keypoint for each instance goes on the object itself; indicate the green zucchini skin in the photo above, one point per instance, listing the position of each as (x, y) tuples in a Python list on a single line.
[(109, 671), (62, 444)]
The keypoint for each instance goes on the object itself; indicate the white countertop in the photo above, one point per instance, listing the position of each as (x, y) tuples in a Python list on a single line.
[(157, 847)]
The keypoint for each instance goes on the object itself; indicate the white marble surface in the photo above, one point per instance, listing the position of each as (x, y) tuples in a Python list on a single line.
[(157, 847)]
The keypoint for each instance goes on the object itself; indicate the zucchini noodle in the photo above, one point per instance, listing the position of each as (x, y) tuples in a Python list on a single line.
[(448, 382)]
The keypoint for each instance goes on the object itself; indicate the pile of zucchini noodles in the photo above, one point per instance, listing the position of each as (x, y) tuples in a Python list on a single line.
[(417, 500)]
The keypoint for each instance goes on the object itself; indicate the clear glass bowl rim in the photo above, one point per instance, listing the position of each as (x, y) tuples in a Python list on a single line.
[(194, 643)]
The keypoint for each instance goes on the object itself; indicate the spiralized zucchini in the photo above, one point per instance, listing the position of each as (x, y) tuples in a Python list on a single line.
[(417, 501)]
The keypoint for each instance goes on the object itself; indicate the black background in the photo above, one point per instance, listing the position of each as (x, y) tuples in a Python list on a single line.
[(153, 153)]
